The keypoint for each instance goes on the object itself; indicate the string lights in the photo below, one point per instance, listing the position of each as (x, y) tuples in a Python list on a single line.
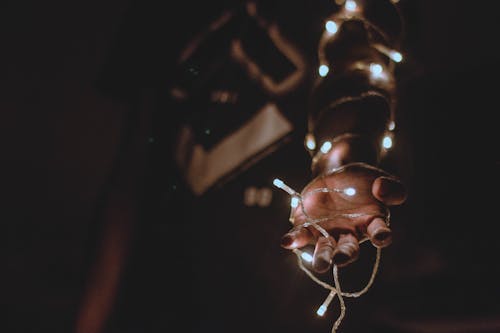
[(377, 72), (378, 69), (297, 202), (351, 9)]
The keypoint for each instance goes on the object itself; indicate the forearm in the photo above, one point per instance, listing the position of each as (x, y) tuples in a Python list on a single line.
[(352, 105)]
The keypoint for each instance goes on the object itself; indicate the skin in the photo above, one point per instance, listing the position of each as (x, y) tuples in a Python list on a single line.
[(376, 191)]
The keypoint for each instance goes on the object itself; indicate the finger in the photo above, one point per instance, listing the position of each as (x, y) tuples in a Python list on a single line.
[(389, 190), (297, 237), (380, 235), (323, 254), (347, 250)]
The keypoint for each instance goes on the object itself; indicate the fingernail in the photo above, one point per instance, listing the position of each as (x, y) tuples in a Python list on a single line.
[(345, 254), (347, 250), (321, 264), (286, 240), (380, 235), (388, 186), (341, 259), (384, 188)]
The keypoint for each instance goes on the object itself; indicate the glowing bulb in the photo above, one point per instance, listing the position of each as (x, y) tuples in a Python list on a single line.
[(278, 183), (321, 311), (281, 185), (376, 69), (387, 142), (310, 142), (294, 202), (351, 5), (391, 126), (323, 70), (350, 191), (325, 148), (396, 56), (331, 27), (307, 257)]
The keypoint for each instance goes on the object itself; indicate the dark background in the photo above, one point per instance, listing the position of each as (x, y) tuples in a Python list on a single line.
[(73, 77)]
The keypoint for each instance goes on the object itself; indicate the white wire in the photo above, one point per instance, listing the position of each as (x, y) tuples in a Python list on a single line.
[(335, 290)]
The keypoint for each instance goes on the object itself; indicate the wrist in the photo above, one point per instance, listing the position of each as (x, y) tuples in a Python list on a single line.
[(343, 149)]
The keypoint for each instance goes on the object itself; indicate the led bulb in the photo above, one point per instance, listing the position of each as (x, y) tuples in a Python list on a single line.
[(351, 5), (323, 70), (376, 69), (321, 310), (350, 191), (387, 142), (278, 183), (396, 56), (310, 142), (281, 185), (331, 27), (307, 257), (325, 147), (294, 202)]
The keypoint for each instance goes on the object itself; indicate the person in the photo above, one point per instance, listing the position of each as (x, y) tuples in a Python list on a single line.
[(221, 119)]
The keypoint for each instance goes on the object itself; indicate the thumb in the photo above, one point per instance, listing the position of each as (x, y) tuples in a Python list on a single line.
[(389, 191)]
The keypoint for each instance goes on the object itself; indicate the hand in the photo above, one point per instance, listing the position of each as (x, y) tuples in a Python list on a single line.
[(351, 205)]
